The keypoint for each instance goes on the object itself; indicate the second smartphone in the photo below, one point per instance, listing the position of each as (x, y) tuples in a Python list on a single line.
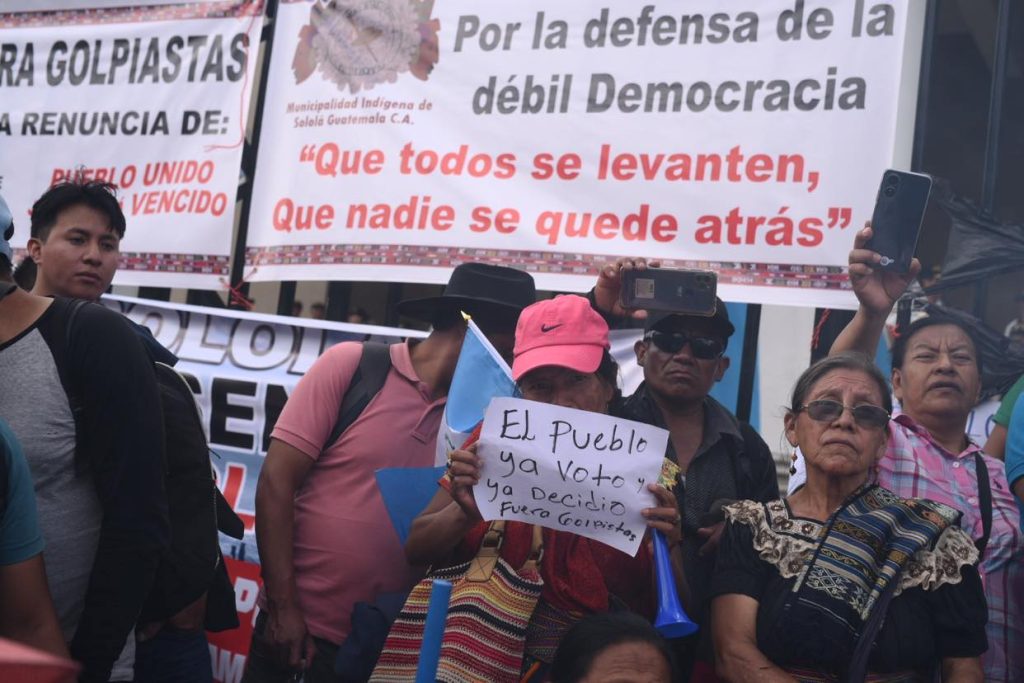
[(896, 222)]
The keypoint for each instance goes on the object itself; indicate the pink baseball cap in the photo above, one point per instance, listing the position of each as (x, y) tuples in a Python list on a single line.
[(564, 331)]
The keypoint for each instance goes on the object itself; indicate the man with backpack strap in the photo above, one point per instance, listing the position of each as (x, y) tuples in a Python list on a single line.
[(75, 246), (325, 538), (96, 462)]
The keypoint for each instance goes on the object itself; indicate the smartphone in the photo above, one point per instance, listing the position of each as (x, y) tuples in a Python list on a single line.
[(690, 292), (896, 222)]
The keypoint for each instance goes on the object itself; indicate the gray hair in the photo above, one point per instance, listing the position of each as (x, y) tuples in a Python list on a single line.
[(848, 360)]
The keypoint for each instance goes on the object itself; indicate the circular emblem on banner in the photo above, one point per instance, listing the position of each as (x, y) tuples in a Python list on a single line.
[(359, 43)]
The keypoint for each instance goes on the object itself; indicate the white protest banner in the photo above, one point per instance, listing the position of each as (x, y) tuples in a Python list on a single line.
[(569, 470), (242, 367), (153, 99), (401, 137)]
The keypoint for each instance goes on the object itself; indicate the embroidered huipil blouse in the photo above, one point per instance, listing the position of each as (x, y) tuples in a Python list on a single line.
[(938, 610)]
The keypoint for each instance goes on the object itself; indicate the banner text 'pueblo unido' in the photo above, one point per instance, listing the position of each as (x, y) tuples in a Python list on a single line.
[(152, 99), (743, 137), (568, 470)]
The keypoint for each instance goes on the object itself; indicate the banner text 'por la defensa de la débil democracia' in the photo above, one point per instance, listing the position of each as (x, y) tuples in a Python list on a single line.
[(402, 137)]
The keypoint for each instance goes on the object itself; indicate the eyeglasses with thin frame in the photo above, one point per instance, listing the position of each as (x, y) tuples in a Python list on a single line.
[(704, 348), (865, 415)]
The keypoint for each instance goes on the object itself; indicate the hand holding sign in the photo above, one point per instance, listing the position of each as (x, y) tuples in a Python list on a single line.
[(464, 470), (568, 470)]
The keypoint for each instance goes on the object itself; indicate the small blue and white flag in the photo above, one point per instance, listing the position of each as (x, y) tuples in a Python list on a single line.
[(480, 375)]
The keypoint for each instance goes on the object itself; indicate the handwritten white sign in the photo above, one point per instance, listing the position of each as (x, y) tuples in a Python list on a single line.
[(569, 470)]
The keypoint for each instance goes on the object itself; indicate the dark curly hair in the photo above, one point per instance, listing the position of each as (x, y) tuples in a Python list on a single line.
[(96, 194)]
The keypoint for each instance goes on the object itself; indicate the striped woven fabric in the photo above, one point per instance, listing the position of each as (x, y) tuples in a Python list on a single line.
[(868, 543), (484, 634), (486, 629), (401, 653), (546, 629)]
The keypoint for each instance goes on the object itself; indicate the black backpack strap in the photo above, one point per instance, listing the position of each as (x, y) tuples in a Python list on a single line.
[(985, 501), (367, 381), (73, 306), (75, 400)]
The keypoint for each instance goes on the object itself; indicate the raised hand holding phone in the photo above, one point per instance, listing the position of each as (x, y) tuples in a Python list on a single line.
[(896, 221), (877, 289), (688, 292), (607, 291)]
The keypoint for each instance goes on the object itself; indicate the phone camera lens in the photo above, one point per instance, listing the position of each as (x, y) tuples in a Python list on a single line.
[(892, 180), (890, 191)]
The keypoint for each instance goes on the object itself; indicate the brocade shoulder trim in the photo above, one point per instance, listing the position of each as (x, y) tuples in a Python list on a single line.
[(787, 543), (780, 540), (931, 569)]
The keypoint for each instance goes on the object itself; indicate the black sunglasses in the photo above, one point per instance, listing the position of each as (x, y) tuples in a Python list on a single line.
[(704, 348), (866, 415)]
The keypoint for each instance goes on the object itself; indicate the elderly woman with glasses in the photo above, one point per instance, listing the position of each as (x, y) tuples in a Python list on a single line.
[(844, 580)]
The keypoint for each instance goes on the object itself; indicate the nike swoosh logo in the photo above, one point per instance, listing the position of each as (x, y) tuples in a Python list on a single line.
[(548, 328)]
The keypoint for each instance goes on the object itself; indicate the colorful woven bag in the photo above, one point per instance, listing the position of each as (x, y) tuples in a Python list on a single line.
[(485, 633)]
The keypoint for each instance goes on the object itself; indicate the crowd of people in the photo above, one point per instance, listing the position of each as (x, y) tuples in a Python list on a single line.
[(898, 555)]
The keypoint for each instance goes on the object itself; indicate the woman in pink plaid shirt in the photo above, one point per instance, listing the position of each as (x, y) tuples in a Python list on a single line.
[(937, 378)]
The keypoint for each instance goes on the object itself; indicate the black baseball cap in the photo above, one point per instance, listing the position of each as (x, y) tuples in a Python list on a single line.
[(658, 320)]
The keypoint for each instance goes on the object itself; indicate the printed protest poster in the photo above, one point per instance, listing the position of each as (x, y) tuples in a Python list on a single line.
[(242, 367), (153, 99), (568, 470), (230, 649), (401, 137)]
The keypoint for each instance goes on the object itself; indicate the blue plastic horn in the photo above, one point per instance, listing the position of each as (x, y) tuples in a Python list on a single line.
[(671, 621)]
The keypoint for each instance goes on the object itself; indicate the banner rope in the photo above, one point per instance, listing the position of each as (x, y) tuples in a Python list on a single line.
[(236, 297)]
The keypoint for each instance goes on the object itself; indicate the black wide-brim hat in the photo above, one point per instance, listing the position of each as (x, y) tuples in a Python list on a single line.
[(472, 285)]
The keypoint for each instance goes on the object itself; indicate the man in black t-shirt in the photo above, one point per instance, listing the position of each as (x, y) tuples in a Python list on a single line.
[(96, 461), (77, 227)]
